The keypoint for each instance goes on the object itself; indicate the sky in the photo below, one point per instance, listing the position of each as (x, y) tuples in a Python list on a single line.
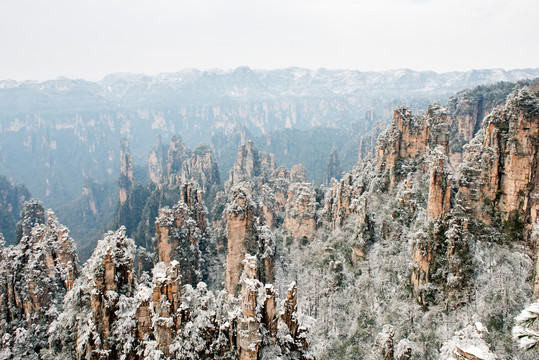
[(88, 39)]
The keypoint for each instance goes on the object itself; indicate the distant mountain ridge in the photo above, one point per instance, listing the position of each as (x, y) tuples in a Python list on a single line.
[(196, 86)]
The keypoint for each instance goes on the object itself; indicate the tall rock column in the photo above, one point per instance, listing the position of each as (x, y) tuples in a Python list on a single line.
[(127, 174), (155, 162), (181, 231), (333, 167), (300, 218), (439, 184), (109, 283), (249, 337), (166, 304), (35, 275), (500, 163), (250, 163), (241, 234)]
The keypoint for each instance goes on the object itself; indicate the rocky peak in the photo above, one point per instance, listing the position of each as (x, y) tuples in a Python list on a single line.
[(127, 174), (282, 172), (202, 167), (343, 199), (33, 214), (333, 167), (500, 164), (439, 183), (97, 310), (259, 324), (468, 108), (300, 216), (280, 183), (177, 152), (166, 304), (183, 165), (182, 231), (155, 162), (35, 274), (250, 163), (297, 174), (367, 143), (408, 138), (241, 233), (249, 336)]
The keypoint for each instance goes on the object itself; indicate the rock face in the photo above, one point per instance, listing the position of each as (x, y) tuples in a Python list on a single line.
[(467, 109), (367, 144), (110, 276), (182, 165), (97, 321), (259, 322), (127, 174), (281, 181), (300, 218), (250, 163), (35, 274), (181, 232), (12, 199), (249, 336), (201, 167), (408, 138), (346, 207), (419, 144), (241, 234), (156, 162), (500, 167), (166, 304), (344, 199), (439, 183), (177, 153), (297, 174), (534, 239), (333, 167)]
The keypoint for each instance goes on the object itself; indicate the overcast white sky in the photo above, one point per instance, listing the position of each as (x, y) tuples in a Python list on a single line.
[(89, 39)]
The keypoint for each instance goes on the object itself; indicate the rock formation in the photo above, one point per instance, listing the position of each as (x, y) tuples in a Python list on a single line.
[(343, 199), (110, 276), (177, 153), (155, 162), (439, 183), (166, 305), (250, 163), (367, 143), (259, 323), (35, 274), (297, 174), (12, 199), (300, 218), (127, 174), (201, 167), (467, 109), (281, 181), (333, 167), (249, 336), (408, 138), (32, 214), (181, 232), (241, 234), (500, 167)]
